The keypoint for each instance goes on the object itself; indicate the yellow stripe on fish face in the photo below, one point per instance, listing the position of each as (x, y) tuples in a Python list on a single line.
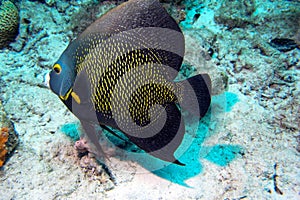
[(73, 94), (76, 97)]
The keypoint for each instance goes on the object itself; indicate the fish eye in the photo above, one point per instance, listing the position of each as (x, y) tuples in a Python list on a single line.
[(57, 68)]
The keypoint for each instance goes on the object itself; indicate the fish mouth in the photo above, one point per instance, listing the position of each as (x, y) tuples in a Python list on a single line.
[(46, 80), (66, 96)]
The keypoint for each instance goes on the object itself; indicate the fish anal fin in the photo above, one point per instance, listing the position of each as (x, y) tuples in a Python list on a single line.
[(166, 141)]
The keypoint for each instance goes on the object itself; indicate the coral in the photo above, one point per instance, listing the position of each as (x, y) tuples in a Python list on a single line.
[(95, 172), (176, 9), (297, 36), (3, 139), (82, 146), (9, 22), (235, 13), (8, 136)]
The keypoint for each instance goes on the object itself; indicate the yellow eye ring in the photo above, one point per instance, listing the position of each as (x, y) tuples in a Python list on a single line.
[(57, 68)]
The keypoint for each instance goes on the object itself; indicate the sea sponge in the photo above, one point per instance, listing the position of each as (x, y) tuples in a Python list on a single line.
[(9, 22), (3, 139)]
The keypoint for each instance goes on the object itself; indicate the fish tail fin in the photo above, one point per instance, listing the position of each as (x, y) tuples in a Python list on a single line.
[(197, 90)]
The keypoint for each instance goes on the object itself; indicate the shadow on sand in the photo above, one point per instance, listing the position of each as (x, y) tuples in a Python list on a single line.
[(191, 150)]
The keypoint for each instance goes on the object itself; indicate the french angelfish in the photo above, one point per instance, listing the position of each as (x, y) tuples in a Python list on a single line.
[(120, 73)]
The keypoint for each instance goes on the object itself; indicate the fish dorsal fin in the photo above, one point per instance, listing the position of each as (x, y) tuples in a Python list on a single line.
[(133, 14), (131, 18), (133, 25)]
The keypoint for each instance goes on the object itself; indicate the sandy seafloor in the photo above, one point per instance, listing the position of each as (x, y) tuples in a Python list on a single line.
[(253, 126)]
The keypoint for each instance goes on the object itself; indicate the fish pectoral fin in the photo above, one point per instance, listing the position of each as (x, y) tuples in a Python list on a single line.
[(82, 88), (92, 135)]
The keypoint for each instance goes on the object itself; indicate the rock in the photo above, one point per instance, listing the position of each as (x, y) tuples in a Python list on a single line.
[(283, 44)]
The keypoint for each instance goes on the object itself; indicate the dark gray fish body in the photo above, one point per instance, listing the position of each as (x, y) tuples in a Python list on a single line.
[(119, 72)]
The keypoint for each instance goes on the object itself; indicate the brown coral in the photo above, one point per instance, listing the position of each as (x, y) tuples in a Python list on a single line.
[(3, 139), (9, 22)]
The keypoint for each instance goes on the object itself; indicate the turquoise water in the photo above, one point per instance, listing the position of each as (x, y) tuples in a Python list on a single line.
[(245, 147)]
